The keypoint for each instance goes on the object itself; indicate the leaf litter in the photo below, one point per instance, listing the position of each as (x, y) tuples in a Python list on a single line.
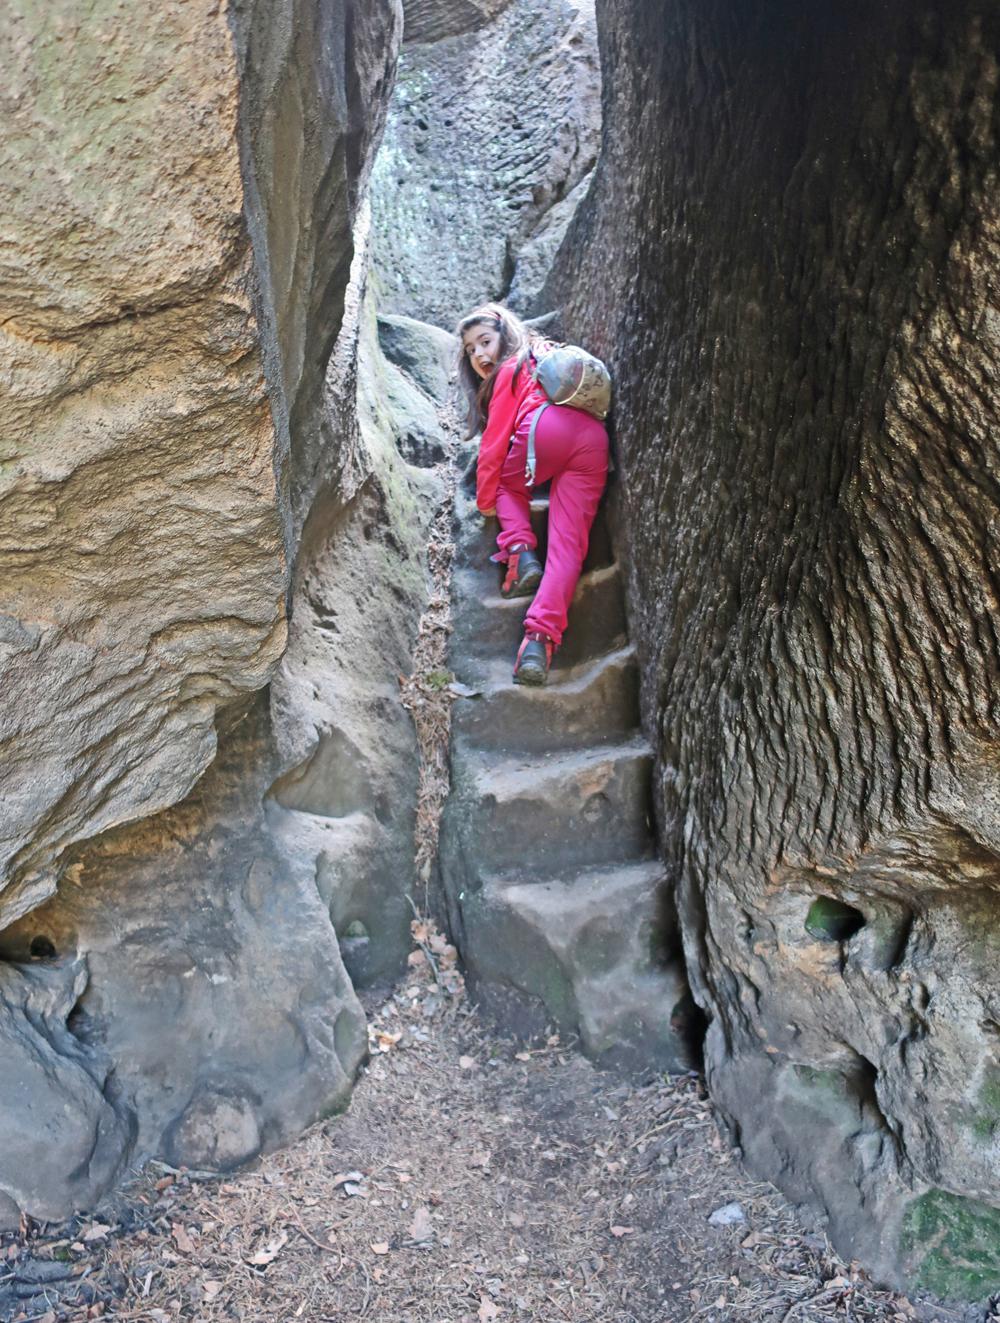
[(533, 1187)]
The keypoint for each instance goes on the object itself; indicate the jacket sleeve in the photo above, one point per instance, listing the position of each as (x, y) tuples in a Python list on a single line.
[(496, 438)]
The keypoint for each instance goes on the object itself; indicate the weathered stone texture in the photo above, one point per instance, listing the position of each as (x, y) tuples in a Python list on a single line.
[(141, 558), (315, 86), (177, 460), (490, 130), (430, 20), (214, 975), (789, 258), (215, 996)]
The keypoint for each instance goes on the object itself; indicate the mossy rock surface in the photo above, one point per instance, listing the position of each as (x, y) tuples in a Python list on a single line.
[(953, 1245)]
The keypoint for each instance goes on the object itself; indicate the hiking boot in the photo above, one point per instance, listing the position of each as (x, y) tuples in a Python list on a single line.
[(534, 657), (524, 573)]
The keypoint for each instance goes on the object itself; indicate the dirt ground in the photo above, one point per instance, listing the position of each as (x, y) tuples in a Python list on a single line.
[(473, 1179)]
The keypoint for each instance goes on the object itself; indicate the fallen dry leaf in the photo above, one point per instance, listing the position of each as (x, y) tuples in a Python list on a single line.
[(345, 1177), (466, 1063), (96, 1231), (487, 1309), (270, 1251), (181, 1238), (622, 1231), (522, 1056), (211, 1289), (380, 1247), (421, 1227)]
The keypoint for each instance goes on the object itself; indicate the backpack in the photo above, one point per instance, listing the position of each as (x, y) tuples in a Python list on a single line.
[(569, 375)]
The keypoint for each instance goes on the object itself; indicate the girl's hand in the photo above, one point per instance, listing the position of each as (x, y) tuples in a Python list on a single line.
[(488, 514)]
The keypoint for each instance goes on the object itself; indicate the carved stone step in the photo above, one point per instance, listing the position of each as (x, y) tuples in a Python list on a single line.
[(584, 952), (559, 810), (488, 626), (594, 702)]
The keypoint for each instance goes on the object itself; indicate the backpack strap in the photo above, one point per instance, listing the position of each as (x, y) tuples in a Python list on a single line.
[(529, 470)]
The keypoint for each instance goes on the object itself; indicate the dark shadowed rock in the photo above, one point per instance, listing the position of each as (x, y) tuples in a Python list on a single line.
[(65, 1134), (426, 353), (788, 259)]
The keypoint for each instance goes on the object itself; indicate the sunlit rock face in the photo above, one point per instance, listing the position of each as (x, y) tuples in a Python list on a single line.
[(789, 259), (143, 570), (492, 137), (177, 247)]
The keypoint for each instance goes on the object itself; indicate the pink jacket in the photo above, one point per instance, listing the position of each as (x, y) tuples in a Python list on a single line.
[(509, 406)]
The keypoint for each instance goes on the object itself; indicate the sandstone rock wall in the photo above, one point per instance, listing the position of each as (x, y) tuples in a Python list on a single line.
[(143, 568), (789, 257), (493, 131), (179, 464)]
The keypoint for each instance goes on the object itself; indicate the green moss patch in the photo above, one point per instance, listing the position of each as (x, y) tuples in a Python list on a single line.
[(953, 1245), (988, 1119)]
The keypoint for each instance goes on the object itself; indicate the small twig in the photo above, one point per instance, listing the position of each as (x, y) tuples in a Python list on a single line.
[(807, 1300), (655, 1131), (194, 1175), (327, 1249), (423, 945), (368, 1289)]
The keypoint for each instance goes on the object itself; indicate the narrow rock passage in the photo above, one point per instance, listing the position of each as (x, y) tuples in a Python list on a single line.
[(477, 1177), (548, 856)]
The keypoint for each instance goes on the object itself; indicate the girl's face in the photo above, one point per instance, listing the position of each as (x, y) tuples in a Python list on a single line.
[(481, 343)]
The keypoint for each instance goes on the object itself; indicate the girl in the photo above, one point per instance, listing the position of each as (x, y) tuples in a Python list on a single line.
[(571, 449)]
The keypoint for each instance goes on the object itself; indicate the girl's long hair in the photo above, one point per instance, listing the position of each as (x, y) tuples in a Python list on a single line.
[(515, 338)]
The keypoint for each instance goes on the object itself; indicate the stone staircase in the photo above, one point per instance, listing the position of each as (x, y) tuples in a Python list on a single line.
[(555, 896)]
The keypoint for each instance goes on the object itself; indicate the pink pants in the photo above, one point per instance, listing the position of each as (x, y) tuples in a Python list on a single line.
[(571, 448)]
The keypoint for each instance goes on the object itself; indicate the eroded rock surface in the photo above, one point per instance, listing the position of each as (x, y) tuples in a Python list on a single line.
[(430, 20), (142, 561), (185, 474), (494, 126), (789, 260)]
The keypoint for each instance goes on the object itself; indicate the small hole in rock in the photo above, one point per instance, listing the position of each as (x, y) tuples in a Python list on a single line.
[(42, 948), (831, 920)]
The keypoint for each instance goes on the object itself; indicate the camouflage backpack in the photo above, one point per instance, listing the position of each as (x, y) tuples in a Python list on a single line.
[(569, 375)]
